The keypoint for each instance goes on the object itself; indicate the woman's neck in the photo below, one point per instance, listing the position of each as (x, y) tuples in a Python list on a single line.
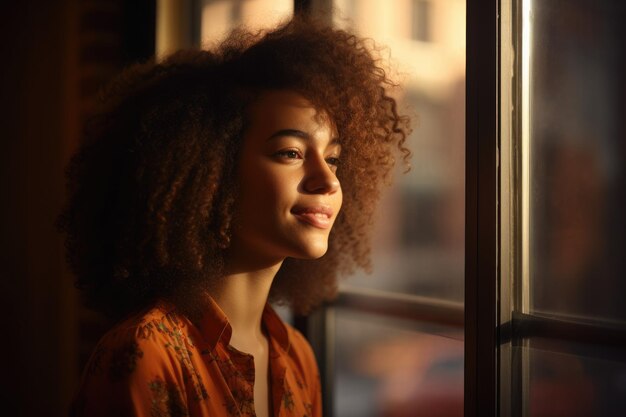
[(242, 295)]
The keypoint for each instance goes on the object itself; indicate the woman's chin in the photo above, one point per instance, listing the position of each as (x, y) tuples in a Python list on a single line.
[(312, 251)]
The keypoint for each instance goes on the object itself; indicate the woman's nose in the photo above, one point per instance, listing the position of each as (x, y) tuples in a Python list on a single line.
[(319, 177)]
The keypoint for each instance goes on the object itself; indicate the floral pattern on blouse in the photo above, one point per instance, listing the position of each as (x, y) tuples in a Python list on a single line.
[(160, 364), (166, 400)]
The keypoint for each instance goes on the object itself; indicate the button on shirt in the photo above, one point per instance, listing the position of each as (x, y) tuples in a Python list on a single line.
[(159, 363)]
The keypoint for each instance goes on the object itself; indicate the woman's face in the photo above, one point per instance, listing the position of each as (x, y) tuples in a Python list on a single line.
[(289, 195)]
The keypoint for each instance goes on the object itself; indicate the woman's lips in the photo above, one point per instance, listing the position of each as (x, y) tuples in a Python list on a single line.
[(315, 216)]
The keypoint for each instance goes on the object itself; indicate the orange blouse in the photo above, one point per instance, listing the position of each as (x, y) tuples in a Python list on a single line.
[(158, 363)]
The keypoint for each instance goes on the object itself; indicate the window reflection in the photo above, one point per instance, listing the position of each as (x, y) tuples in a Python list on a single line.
[(575, 381), (577, 174)]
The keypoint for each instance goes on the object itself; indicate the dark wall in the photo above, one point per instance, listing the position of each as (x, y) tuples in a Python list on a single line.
[(56, 55), (38, 331)]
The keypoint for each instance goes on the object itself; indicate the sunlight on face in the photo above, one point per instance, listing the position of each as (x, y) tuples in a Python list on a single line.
[(289, 195)]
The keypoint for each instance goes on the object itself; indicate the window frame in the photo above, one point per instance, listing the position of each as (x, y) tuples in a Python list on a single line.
[(482, 231), (518, 326)]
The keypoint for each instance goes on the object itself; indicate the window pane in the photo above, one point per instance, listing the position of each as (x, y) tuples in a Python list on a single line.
[(387, 367), (571, 384), (419, 245), (577, 152)]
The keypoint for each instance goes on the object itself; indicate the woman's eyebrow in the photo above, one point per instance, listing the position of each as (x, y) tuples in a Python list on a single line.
[(291, 132), (298, 134)]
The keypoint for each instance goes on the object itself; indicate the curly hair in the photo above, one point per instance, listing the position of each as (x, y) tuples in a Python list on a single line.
[(151, 188)]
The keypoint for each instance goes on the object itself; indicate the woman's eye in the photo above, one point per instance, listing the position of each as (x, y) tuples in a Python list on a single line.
[(288, 154), (334, 161)]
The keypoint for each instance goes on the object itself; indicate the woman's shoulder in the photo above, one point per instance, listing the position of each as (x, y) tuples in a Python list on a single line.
[(156, 323), (138, 364), (143, 339)]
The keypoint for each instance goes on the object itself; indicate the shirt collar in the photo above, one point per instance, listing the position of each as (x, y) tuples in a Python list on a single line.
[(276, 328), (214, 326)]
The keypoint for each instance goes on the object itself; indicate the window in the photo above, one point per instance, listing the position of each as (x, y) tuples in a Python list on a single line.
[(562, 189)]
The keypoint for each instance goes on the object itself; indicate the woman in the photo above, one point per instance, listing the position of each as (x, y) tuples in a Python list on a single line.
[(209, 184)]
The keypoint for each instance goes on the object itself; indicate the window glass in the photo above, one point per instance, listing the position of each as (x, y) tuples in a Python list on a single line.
[(577, 152), (388, 367), (571, 383), (419, 245)]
